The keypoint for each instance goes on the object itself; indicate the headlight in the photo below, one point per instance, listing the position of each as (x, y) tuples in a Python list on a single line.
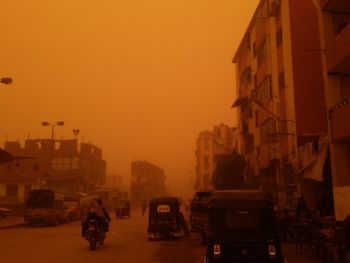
[(217, 250), (272, 251)]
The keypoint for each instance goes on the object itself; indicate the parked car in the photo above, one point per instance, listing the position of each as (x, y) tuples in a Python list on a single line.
[(4, 212)]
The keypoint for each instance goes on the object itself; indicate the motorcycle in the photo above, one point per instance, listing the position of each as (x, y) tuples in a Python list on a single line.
[(95, 234)]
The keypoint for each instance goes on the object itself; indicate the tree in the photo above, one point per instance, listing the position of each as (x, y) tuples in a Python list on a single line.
[(229, 172)]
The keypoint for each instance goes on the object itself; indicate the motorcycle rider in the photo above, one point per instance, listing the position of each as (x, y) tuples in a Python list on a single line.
[(96, 212), (106, 216)]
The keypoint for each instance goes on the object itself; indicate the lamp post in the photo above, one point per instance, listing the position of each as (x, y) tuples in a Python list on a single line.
[(46, 123), (6, 80)]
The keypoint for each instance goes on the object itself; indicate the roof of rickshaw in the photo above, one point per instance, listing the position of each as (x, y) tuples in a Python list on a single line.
[(241, 198), (166, 199)]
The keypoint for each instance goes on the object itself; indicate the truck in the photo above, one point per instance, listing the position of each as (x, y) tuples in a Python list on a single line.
[(45, 206)]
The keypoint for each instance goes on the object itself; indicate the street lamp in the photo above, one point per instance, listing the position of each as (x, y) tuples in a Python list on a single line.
[(46, 123), (6, 81)]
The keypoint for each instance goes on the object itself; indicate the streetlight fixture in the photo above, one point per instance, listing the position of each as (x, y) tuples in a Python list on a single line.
[(6, 81), (46, 123)]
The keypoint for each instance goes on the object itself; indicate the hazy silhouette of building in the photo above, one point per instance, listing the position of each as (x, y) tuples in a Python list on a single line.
[(210, 145), (147, 181), (280, 90), (59, 166)]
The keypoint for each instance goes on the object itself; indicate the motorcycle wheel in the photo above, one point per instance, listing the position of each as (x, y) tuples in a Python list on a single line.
[(92, 241)]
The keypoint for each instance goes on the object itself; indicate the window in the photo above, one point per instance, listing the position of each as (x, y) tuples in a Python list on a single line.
[(261, 53), (163, 209), (12, 190), (206, 144), (206, 162), (264, 91), (279, 37), (268, 131), (281, 80), (36, 167)]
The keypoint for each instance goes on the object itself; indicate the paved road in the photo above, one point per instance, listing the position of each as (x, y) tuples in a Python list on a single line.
[(126, 242)]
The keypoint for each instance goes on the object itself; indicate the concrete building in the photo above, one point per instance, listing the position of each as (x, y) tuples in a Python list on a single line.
[(335, 48), (280, 92), (147, 181), (59, 166), (210, 146)]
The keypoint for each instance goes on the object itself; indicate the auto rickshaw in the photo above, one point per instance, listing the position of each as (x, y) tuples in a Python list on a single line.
[(164, 218), (122, 209), (242, 227)]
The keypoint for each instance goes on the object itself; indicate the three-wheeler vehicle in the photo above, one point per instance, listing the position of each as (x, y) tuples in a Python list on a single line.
[(122, 209), (164, 219), (242, 227)]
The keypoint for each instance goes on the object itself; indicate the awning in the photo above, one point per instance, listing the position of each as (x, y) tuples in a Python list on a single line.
[(314, 170), (240, 102)]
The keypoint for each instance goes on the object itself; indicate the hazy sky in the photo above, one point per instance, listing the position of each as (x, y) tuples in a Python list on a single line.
[(139, 78)]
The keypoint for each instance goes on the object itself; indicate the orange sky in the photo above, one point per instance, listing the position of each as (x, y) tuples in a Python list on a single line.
[(139, 78)]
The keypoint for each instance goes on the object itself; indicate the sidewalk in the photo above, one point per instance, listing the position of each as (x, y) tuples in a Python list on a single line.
[(299, 256), (11, 221)]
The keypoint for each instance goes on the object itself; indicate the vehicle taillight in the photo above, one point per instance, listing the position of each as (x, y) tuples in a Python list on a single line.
[(217, 250)]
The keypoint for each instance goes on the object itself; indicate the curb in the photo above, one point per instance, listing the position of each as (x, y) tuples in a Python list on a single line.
[(13, 226)]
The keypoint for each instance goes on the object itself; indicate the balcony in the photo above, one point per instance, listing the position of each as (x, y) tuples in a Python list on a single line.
[(335, 5), (338, 53), (339, 124)]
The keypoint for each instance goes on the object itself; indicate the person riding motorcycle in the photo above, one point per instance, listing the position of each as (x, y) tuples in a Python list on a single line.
[(98, 213)]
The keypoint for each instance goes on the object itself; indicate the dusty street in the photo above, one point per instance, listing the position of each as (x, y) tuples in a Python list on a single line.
[(126, 242)]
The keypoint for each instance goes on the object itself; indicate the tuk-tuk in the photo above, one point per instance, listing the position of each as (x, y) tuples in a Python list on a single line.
[(122, 209), (164, 218), (242, 227)]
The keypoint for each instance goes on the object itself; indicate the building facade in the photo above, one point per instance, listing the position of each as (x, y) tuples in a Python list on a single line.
[(210, 145), (335, 48), (280, 92), (147, 181), (57, 165)]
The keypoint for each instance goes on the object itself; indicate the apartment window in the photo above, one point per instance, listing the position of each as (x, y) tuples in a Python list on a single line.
[(264, 91), (261, 53), (12, 190), (62, 163), (206, 162), (281, 80), (205, 180), (246, 76), (268, 131), (206, 144), (36, 167), (27, 188), (75, 163), (279, 37)]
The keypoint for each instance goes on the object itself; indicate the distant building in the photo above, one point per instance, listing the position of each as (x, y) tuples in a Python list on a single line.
[(210, 146), (147, 181), (59, 166)]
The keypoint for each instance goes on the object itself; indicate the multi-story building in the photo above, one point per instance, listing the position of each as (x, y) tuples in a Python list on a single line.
[(58, 165), (147, 181), (335, 28), (210, 146), (280, 98)]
